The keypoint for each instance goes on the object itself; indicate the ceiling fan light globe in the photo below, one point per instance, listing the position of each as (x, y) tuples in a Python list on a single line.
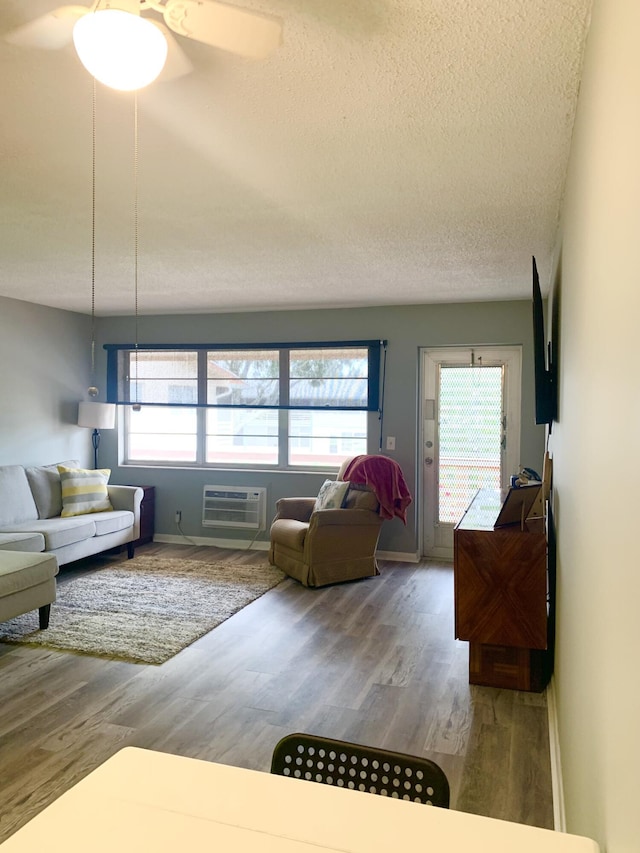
[(121, 50)]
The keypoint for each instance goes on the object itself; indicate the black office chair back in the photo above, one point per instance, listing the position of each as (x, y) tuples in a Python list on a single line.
[(361, 768)]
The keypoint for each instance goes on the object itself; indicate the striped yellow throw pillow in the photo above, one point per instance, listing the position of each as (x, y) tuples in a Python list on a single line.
[(84, 490)]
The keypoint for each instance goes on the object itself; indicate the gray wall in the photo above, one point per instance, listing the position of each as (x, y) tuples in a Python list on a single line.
[(406, 328), (596, 442), (44, 354)]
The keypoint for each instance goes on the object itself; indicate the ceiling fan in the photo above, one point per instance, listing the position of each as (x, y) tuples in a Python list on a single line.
[(241, 31)]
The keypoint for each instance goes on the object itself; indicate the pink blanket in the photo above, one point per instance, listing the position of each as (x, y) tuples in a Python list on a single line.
[(384, 477)]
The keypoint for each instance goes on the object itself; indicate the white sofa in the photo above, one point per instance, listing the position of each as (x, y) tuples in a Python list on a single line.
[(30, 507), (35, 539)]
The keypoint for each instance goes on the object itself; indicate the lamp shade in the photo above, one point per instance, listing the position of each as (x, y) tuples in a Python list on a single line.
[(121, 49), (97, 415)]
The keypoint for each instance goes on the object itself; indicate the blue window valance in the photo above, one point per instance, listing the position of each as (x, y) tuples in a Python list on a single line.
[(310, 375)]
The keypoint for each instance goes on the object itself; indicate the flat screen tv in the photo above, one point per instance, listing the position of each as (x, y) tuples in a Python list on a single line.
[(545, 384)]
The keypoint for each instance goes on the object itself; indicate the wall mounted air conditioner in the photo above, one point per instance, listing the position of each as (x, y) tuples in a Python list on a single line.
[(234, 506)]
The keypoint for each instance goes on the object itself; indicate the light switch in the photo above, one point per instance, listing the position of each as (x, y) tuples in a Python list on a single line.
[(391, 442)]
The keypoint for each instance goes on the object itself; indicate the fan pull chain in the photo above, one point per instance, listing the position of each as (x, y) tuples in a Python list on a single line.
[(93, 391), (136, 406)]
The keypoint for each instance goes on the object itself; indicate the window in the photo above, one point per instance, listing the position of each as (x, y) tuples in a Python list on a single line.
[(325, 438), (242, 436), (280, 406), (169, 435)]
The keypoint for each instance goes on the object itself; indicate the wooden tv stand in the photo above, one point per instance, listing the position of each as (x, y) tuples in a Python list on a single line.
[(501, 597)]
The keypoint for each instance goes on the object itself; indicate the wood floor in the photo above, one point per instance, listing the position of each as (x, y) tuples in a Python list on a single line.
[(373, 661)]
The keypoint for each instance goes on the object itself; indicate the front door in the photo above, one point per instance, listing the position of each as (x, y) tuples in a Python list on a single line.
[(470, 433)]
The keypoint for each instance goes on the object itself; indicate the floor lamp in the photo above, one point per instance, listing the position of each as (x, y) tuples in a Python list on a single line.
[(96, 416)]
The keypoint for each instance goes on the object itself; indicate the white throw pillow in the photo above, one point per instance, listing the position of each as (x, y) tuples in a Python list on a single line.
[(331, 495), (44, 481)]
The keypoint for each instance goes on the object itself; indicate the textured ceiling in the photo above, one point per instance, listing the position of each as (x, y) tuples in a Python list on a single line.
[(390, 152)]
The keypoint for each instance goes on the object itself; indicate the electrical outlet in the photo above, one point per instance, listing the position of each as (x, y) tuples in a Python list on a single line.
[(391, 442), (178, 516)]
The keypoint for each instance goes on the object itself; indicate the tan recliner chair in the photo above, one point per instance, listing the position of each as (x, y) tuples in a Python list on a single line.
[(330, 545)]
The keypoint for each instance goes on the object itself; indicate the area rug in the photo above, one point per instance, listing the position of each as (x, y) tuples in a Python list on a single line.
[(143, 610)]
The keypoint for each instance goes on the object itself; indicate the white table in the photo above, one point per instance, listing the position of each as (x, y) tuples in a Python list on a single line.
[(141, 800)]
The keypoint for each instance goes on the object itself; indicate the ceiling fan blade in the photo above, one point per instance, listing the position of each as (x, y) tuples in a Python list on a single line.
[(248, 33), (51, 31), (178, 63)]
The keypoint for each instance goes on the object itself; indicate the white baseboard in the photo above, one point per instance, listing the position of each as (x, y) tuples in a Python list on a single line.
[(398, 556), (261, 545), (211, 541), (557, 790)]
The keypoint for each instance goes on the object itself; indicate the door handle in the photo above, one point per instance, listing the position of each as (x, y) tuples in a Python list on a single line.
[(428, 460)]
